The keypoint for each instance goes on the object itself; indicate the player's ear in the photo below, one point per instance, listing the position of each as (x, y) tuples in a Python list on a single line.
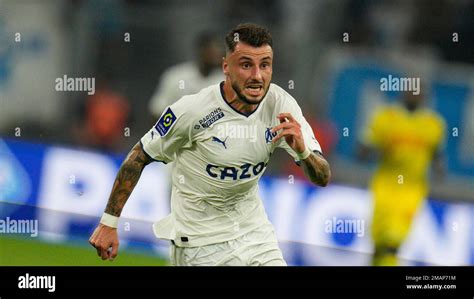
[(225, 66)]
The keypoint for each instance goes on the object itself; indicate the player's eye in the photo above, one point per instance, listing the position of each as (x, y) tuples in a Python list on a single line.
[(265, 65), (246, 65)]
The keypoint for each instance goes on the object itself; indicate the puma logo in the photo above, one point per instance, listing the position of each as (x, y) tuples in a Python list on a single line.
[(220, 141)]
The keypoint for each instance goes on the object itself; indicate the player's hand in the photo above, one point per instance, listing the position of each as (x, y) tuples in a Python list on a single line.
[(291, 131), (105, 240)]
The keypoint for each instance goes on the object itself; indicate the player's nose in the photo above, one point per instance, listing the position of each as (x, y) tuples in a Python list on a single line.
[(256, 74)]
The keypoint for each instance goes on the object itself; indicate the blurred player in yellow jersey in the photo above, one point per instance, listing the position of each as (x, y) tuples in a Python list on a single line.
[(407, 138)]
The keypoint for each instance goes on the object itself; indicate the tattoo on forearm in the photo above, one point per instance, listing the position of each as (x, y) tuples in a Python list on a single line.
[(127, 177), (317, 169)]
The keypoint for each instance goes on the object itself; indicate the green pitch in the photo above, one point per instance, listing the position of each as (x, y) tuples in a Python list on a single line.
[(27, 252)]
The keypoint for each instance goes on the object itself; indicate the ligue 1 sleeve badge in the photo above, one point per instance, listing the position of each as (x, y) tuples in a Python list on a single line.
[(165, 122)]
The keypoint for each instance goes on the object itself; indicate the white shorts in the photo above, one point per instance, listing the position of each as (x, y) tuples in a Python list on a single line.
[(256, 248)]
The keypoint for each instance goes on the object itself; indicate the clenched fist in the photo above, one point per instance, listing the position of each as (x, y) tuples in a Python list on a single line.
[(105, 240)]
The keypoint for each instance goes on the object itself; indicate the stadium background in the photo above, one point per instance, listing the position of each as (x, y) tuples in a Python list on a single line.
[(50, 172)]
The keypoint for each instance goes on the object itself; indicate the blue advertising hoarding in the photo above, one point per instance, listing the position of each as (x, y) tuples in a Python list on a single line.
[(67, 189)]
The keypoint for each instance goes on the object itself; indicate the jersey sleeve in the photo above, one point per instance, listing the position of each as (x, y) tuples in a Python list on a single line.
[(440, 141), (310, 140), (171, 133), (372, 134)]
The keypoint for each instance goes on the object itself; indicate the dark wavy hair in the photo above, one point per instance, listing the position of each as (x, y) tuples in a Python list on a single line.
[(251, 34)]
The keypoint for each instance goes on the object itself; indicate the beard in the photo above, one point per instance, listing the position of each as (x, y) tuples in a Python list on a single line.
[(246, 100)]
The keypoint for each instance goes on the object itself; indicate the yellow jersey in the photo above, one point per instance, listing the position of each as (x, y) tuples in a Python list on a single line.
[(407, 141)]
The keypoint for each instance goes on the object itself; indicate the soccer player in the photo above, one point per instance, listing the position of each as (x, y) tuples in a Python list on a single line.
[(217, 217), (408, 138)]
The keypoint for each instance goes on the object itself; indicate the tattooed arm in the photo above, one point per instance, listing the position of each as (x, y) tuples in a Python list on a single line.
[(105, 238), (126, 179), (316, 168)]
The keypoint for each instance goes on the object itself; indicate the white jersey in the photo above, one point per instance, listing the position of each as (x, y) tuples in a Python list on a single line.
[(219, 155), (180, 80)]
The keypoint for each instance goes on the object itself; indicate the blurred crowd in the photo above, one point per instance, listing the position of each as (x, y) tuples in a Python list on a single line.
[(137, 49)]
